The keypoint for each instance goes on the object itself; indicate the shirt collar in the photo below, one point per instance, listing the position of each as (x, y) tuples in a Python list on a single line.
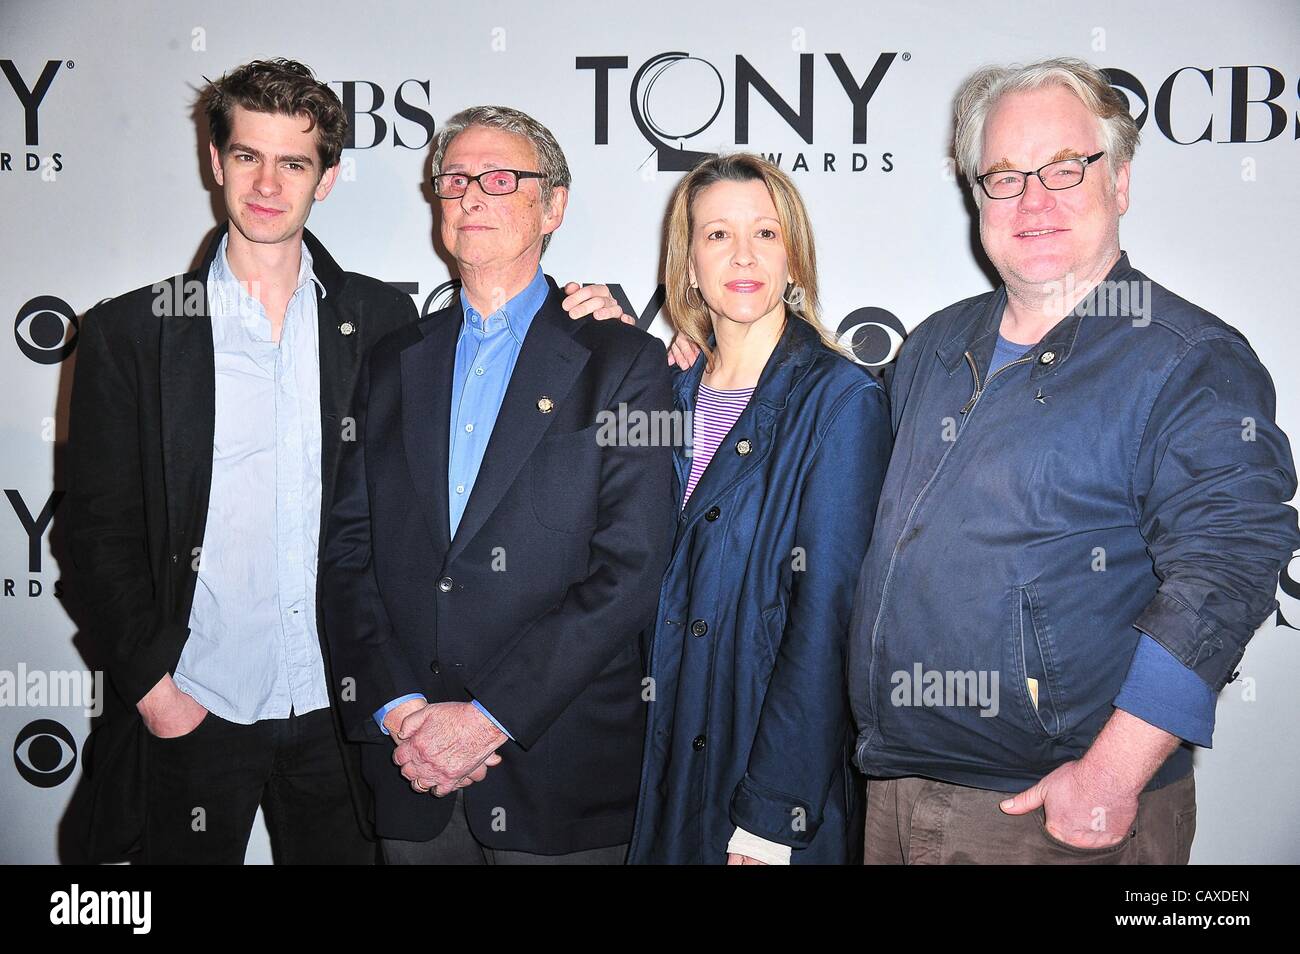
[(307, 271), (517, 314), (227, 286)]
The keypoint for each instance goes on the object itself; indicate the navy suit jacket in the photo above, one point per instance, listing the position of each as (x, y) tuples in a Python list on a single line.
[(535, 608)]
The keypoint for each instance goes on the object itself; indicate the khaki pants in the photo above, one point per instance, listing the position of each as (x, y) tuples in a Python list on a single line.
[(920, 821)]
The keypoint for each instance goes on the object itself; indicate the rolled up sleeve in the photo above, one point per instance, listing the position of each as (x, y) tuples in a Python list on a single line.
[(1163, 692), (1213, 477)]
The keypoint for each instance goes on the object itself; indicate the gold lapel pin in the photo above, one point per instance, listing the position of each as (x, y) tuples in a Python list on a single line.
[(743, 446), (347, 328), (545, 404)]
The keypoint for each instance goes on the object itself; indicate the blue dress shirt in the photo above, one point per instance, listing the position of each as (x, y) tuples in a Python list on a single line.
[(253, 651), (486, 352)]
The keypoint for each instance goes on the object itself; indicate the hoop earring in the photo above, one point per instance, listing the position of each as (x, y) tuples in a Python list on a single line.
[(687, 296), (796, 299)]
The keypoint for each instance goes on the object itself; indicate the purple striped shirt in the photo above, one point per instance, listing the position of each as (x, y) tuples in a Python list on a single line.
[(716, 412)]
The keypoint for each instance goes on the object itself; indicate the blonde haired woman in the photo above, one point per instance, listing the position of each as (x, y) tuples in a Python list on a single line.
[(746, 758)]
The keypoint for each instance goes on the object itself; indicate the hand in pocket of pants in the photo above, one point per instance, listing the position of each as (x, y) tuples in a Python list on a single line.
[(1092, 803), (1079, 812), (169, 713)]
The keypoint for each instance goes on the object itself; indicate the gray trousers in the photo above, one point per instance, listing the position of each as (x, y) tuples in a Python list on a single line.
[(920, 821), (456, 845)]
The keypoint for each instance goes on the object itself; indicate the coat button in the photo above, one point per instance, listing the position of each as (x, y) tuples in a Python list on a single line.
[(176, 558), (347, 328), (744, 446), (699, 627), (435, 668), (697, 743), (445, 584), (713, 513), (1047, 357)]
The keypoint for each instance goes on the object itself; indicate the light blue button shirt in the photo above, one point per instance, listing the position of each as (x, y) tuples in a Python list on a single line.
[(486, 353), (253, 651)]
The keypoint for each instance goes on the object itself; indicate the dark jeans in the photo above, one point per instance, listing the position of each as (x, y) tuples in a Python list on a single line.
[(205, 788), (456, 845), (920, 821)]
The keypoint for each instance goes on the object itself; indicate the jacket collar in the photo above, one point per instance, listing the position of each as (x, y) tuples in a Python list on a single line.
[(795, 351), (979, 333), (750, 440)]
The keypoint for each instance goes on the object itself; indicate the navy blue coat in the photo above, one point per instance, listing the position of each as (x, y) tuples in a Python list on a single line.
[(748, 725)]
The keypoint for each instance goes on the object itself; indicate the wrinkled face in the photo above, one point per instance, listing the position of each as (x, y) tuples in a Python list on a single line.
[(738, 256), (489, 231), (270, 174), (1044, 235)]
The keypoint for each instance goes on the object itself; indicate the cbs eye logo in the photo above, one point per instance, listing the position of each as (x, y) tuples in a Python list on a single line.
[(46, 329), (874, 335), (1288, 596), (45, 753)]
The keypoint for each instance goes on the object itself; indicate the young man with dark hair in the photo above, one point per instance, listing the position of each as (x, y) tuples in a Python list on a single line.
[(207, 414)]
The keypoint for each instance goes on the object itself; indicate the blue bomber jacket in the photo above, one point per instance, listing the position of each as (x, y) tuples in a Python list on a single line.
[(1124, 476)]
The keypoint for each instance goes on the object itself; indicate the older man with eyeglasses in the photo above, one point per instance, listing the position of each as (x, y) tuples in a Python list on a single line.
[(491, 559), (1082, 524)]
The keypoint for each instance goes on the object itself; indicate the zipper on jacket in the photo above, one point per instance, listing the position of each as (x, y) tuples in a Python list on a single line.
[(981, 388), (916, 504)]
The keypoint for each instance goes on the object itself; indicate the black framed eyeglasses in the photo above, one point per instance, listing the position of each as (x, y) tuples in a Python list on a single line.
[(1062, 174), (453, 185)]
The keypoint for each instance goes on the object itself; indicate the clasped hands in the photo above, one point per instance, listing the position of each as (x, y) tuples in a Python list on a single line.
[(443, 746)]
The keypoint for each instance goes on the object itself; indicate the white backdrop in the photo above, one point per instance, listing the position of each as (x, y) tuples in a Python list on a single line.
[(104, 187)]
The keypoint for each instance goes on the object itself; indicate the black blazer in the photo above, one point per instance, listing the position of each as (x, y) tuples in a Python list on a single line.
[(537, 605), (140, 464)]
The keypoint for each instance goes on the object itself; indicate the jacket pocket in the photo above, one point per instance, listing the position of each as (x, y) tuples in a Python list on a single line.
[(771, 624), (566, 480), (1035, 672)]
